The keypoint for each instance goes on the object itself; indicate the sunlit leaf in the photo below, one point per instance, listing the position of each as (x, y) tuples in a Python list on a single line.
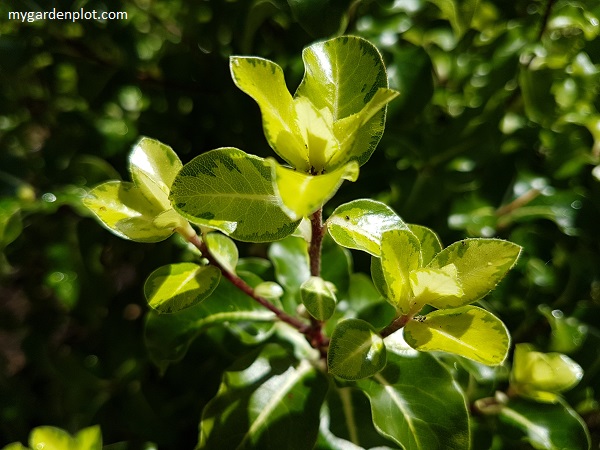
[(430, 242), (356, 350), (272, 402), (52, 438), (546, 426), (416, 403), (318, 297), (359, 224), (223, 249), (302, 194), (400, 254), (542, 376), (481, 264), (431, 286), (336, 71), (568, 333), (263, 80), (228, 185), (469, 331), (175, 287)]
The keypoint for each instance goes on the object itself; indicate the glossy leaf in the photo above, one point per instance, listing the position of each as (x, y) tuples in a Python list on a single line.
[(263, 80), (546, 426), (175, 287), (416, 403), (432, 286), (469, 331), (356, 351), (52, 438), (318, 297), (430, 242), (223, 249), (228, 185), (400, 254), (481, 264), (379, 279), (302, 194), (273, 402), (541, 376), (336, 70), (359, 224), (169, 336)]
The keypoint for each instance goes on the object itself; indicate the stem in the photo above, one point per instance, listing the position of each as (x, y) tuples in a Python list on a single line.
[(247, 289), (316, 242), (397, 323)]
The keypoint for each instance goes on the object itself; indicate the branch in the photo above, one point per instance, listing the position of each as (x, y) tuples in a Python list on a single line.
[(316, 242), (397, 323)]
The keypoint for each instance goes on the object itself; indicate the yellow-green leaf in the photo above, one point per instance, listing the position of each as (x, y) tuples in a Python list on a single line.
[(175, 287), (263, 80), (430, 242), (356, 350), (302, 194), (481, 264), (359, 224), (542, 376), (400, 255), (229, 185), (431, 286), (318, 297), (223, 249), (469, 331)]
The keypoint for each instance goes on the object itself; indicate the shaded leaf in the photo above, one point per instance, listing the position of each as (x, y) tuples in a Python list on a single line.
[(359, 224), (273, 402), (175, 287), (356, 350), (318, 297), (223, 249), (469, 331)]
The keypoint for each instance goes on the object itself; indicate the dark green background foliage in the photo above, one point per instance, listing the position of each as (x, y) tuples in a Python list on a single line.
[(496, 133)]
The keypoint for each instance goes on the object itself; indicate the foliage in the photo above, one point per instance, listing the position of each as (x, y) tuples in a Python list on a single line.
[(494, 134)]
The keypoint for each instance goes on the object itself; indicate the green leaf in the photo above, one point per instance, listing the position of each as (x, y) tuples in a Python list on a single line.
[(15, 446), (223, 249), (541, 376), (126, 211), (416, 402), (169, 336), (359, 224), (290, 258), (272, 402), (320, 18), (400, 255), (228, 185), (175, 287), (153, 166), (302, 194), (546, 426), (481, 264), (52, 438), (356, 350), (459, 13), (568, 333), (319, 297), (469, 331), (343, 75), (430, 242), (263, 80), (379, 279)]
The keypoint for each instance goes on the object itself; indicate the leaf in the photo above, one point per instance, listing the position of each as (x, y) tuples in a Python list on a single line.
[(430, 242), (416, 403), (459, 13), (481, 264), (342, 76), (168, 337), (541, 376), (175, 287), (273, 402), (469, 331), (126, 211), (302, 194), (359, 224), (223, 249), (400, 254), (290, 258), (547, 426), (263, 80), (52, 438), (431, 286), (153, 166), (320, 18), (356, 350), (319, 298), (228, 185)]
